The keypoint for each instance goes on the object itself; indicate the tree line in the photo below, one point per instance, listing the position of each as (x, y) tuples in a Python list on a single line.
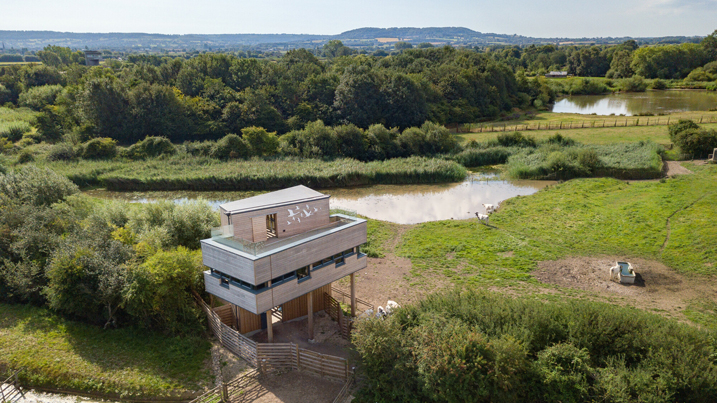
[(211, 95), (697, 62)]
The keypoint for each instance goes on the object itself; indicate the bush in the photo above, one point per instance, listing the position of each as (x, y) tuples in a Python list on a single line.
[(61, 152), (150, 147), (199, 148), (676, 128), (697, 142), (34, 186), (99, 148), (25, 156), (699, 74), (585, 86), (633, 84), (261, 142), (564, 370), (658, 84), (474, 157), (515, 139), (40, 97), (558, 139), (14, 131), (231, 146)]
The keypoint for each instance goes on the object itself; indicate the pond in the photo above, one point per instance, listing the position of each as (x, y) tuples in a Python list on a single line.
[(634, 103), (402, 204)]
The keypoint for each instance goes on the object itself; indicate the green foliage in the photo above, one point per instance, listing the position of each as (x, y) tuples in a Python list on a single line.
[(58, 353), (633, 84), (699, 74), (627, 160), (486, 347), (99, 149), (39, 97), (61, 152), (160, 291), (231, 146), (25, 156), (515, 139), (261, 142), (692, 139), (34, 186), (658, 84), (150, 147), (474, 157), (668, 61), (14, 131)]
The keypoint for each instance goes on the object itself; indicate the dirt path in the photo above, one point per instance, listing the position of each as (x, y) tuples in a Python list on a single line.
[(289, 387), (674, 168), (657, 288)]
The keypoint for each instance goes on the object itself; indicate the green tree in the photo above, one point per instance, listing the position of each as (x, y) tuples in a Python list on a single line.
[(405, 103), (335, 48), (358, 97), (261, 142), (401, 46)]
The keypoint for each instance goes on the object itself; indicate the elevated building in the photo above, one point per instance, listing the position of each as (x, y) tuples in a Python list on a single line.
[(93, 57), (280, 252)]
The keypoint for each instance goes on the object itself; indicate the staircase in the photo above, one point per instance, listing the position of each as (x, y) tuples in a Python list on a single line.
[(10, 391)]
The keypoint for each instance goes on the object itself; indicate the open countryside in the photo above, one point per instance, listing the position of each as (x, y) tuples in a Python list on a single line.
[(382, 215)]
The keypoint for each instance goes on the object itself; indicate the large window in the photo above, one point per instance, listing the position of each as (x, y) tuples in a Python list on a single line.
[(303, 273)]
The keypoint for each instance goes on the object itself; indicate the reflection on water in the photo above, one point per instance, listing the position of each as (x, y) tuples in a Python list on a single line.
[(403, 204), (411, 204), (632, 103)]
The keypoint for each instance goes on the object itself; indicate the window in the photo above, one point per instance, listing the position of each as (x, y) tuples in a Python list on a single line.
[(339, 259), (303, 273), (287, 276), (224, 281), (348, 252)]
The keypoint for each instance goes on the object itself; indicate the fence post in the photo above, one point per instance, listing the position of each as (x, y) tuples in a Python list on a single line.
[(298, 358), (701, 117), (668, 120)]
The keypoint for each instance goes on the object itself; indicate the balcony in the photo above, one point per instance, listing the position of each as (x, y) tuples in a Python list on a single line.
[(224, 236)]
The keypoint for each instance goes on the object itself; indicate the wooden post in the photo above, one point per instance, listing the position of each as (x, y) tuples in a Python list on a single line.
[(353, 297), (310, 311), (269, 326)]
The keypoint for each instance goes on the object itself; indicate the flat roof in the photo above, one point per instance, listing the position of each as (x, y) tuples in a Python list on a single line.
[(296, 194)]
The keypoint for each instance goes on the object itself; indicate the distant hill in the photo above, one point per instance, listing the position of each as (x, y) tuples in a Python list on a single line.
[(361, 37)]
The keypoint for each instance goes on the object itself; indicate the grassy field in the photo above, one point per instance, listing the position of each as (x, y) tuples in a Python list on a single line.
[(62, 354), (582, 217), (595, 134), (202, 173)]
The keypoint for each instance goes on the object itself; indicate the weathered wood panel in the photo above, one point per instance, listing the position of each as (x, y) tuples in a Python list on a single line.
[(258, 228), (226, 314), (297, 307), (229, 263), (232, 294), (317, 249), (291, 219), (248, 321)]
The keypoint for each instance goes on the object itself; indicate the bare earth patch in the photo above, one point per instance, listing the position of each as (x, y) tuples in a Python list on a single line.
[(657, 287), (674, 168), (289, 387)]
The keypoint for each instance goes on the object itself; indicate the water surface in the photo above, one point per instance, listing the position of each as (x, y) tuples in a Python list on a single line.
[(633, 103), (402, 204)]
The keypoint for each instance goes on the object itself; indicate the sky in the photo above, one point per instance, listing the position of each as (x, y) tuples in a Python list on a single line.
[(573, 19)]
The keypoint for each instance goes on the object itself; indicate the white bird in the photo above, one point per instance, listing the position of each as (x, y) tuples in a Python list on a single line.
[(291, 213)]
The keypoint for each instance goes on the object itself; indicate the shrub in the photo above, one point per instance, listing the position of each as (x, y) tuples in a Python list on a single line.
[(14, 131), (61, 152), (199, 148), (99, 148), (699, 74), (515, 139), (150, 147), (681, 125), (25, 156), (39, 97), (35, 186), (697, 142), (231, 146), (564, 371), (633, 84), (474, 157), (658, 84), (261, 142), (585, 86), (558, 139)]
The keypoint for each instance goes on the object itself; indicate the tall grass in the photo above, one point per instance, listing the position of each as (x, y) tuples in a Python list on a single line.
[(203, 173), (642, 160)]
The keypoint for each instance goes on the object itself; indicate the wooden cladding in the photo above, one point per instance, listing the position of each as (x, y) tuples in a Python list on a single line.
[(248, 322), (297, 307), (291, 219), (258, 229)]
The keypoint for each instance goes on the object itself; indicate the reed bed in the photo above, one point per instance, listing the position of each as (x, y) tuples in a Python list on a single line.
[(203, 173)]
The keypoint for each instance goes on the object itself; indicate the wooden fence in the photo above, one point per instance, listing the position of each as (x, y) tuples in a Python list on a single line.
[(10, 389), (582, 124), (333, 308), (361, 305), (270, 357)]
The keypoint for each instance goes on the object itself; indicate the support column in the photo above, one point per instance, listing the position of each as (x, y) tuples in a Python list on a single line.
[(310, 313), (269, 326), (353, 297)]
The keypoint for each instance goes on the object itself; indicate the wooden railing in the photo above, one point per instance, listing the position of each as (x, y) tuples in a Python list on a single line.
[(345, 391), (581, 124), (10, 389), (271, 357), (361, 305), (333, 308)]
